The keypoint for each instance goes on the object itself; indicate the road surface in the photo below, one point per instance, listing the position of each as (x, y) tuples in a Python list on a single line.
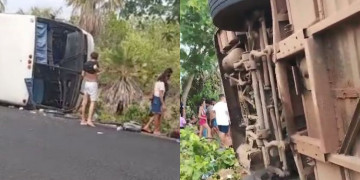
[(38, 147)]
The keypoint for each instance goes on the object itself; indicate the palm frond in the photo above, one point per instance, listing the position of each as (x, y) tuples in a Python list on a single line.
[(90, 12), (121, 94), (2, 5)]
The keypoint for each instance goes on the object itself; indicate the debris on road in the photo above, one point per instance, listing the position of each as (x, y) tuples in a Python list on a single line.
[(100, 132), (72, 116), (132, 126), (53, 112), (96, 117)]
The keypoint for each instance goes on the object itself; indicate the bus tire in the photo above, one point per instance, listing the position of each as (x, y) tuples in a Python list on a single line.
[(229, 14)]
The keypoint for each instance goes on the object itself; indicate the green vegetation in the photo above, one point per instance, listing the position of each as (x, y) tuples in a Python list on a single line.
[(134, 52), (200, 159), (153, 9), (91, 13), (42, 12), (133, 112), (200, 77)]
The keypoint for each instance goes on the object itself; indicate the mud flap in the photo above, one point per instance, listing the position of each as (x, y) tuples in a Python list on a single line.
[(29, 86)]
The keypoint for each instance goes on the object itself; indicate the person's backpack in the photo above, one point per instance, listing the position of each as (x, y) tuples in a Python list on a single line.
[(89, 67)]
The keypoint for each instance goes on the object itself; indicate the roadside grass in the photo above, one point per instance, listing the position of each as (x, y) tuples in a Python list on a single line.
[(201, 159)]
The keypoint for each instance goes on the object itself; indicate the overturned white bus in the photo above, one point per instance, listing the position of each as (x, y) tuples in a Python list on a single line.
[(41, 61)]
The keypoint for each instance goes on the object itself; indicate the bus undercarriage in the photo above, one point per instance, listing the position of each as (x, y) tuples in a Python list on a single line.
[(291, 75)]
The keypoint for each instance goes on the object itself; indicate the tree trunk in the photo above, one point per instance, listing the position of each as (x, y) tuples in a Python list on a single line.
[(187, 89)]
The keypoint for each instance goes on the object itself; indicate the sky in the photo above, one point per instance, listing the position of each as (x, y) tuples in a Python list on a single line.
[(12, 6)]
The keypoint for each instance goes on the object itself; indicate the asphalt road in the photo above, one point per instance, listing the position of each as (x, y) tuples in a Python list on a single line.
[(37, 147)]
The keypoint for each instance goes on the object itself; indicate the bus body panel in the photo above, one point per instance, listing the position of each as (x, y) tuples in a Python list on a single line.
[(16, 57), (90, 43)]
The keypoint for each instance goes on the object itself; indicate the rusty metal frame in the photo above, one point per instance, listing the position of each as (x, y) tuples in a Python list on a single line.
[(295, 42), (313, 147), (308, 146), (303, 41), (331, 21), (347, 93), (352, 132), (291, 45), (321, 94), (323, 145), (349, 162), (300, 42)]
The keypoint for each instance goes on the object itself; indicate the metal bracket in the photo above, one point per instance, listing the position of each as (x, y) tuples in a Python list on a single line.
[(262, 133), (238, 81), (291, 45), (333, 20), (250, 65), (308, 146)]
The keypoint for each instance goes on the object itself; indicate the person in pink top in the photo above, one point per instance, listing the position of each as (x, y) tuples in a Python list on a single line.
[(203, 120), (182, 122)]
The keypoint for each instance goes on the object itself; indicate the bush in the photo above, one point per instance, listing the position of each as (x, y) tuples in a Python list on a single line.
[(139, 54), (136, 113), (139, 112), (200, 158), (133, 113)]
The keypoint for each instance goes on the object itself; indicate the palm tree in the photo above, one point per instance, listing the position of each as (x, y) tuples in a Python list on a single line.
[(91, 12), (2, 5), (20, 11), (45, 12), (42, 12)]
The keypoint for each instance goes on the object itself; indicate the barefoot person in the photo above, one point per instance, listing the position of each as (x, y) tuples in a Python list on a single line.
[(90, 75), (158, 101)]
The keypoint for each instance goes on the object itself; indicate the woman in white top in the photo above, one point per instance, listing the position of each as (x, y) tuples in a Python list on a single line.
[(158, 102)]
